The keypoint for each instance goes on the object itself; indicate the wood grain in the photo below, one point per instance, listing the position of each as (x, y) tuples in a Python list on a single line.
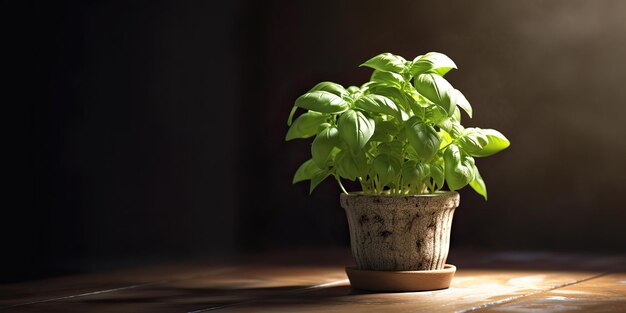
[(300, 281), (469, 289), (606, 293)]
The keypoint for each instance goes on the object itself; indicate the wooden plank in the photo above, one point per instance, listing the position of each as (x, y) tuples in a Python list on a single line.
[(78, 286), (219, 290), (603, 294), (56, 289), (271, 283), (470, 288), (494, 277)]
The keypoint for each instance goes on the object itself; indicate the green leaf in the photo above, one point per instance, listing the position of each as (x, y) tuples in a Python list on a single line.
[(305, 126), (388, 78), (421, 100), (478, 184), (437, 173), (459, 167), (306, 171), (462, 102), (331, 87), (386, 62), (384, 131), (402, 100), (323, 126), (318, 178), (457, 115), (436, 89), (496, 142), (392, 148), (472, 140), (414, 172), (456, 130), (439, 117), (432, 62), (350, 166), (423, 138), (355, 129), (409, 171), (409, 153), (353, 90), (378, 104), (414, 104), (323, 102), (387, 167), (446, 139), (445, 124), (323, 144), (368, 85)]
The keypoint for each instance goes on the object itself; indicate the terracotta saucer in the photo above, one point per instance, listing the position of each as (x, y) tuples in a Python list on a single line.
[(401, 280)]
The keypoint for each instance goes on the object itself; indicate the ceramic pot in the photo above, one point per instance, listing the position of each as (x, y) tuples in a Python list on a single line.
[(400, 233)]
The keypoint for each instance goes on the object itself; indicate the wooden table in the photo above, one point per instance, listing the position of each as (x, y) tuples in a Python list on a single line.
[(315, 281)]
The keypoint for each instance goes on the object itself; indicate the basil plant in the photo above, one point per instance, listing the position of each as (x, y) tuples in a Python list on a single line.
[(398, 134)]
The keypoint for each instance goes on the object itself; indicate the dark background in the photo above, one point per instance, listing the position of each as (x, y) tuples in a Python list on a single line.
[(153, 130)]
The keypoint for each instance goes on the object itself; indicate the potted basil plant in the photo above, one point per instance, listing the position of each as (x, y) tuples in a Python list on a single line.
[(400, 137)]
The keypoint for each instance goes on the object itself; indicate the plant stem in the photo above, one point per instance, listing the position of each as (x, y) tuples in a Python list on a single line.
[(340, 184)]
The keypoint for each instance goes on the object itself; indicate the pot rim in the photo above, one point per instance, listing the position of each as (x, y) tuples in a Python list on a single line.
[(438, 193)]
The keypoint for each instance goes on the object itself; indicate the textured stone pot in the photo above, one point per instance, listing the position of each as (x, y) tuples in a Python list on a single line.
[(400, 233)]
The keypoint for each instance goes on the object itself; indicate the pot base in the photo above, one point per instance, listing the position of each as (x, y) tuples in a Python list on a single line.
[(401, 280)]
